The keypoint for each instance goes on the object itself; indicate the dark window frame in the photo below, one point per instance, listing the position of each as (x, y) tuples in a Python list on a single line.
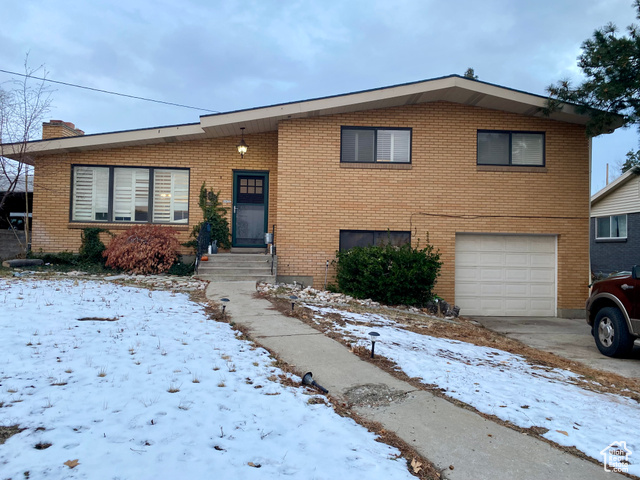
[(375, 144), (374, 232), (111, 194), (510, 133)]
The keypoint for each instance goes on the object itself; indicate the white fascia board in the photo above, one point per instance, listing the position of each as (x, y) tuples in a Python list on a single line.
[(105, 140), (493, 97)]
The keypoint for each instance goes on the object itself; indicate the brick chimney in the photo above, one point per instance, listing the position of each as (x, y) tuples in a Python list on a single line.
[(59, 129)]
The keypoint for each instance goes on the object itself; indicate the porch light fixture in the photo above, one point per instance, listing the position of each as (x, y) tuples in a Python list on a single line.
[(242, 146)]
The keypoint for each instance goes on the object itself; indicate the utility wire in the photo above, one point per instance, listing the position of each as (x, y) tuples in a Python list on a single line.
[(109, 92)]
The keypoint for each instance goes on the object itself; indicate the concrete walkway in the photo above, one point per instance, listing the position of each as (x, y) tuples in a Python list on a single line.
[(440, 431)]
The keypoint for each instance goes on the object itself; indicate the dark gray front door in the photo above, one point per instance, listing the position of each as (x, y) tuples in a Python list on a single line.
[(250, 198)]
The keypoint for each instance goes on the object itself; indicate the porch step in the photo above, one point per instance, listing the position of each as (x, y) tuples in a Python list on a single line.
[(237, 278), (238, 250), (230, 267)]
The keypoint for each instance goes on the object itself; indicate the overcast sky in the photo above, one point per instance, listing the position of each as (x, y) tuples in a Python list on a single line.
[(229, 55)]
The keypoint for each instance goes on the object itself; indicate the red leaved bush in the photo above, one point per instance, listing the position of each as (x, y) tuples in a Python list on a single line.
[(143, 249)]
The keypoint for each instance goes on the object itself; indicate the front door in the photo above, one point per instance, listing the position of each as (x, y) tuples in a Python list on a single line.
[(250, 208)]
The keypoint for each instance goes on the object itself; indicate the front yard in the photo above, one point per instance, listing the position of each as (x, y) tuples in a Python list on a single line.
[(109, 381), (581, 409)]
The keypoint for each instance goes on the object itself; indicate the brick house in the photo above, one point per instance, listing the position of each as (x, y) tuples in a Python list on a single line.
[(474, 168), (615, 225)]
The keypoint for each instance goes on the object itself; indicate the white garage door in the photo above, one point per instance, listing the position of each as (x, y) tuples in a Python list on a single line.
[(506, 275)]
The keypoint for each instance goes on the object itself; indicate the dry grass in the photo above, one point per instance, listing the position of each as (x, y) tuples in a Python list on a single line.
[(426, 470), (6, 432), (470, 332), (466, 331)]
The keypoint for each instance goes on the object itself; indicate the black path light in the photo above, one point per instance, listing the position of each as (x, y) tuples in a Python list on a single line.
[(293, 301), (308, 380), (242, 146), (224, 301), (374, 337)]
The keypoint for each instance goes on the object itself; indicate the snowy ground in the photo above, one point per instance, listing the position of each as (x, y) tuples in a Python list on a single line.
[(503, 384), (158, 392)]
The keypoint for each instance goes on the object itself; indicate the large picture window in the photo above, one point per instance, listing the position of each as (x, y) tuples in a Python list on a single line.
[(366, 238), (614, 226), (370, 145), (511, 148), (123, 194)]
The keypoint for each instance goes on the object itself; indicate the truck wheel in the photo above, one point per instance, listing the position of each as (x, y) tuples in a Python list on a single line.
[(611, 334)]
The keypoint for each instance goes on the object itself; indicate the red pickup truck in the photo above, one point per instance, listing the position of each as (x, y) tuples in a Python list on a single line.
[(613, 312)]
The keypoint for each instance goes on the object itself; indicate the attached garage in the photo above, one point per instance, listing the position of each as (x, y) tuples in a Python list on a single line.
[(506, 275)]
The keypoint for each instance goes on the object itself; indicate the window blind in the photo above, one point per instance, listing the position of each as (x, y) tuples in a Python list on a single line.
[(90, 194), (170, 196)]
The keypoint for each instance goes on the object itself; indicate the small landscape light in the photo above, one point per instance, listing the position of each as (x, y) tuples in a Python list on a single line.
[(293, 301), (373, 336), (307, 379), (224, 301)]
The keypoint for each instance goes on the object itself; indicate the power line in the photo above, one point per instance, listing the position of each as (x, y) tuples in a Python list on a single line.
[(109, 92)]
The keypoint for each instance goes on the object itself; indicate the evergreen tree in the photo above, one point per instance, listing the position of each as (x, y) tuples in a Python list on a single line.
[(610, 61), (214, 213)]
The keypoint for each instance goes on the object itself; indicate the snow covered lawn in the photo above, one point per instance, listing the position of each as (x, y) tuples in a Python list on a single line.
[(503, 384), (121, 382)]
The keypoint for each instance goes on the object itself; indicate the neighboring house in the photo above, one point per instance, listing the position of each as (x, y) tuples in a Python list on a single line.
[(473, 168), (615, 225), (13, 209)]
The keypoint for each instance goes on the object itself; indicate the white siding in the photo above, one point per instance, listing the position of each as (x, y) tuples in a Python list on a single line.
[(625, 199)]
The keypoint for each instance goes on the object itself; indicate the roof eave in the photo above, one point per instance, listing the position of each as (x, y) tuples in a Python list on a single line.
[(454, 88)]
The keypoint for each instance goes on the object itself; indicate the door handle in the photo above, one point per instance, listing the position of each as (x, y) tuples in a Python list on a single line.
[(626, 287), (235, 209)]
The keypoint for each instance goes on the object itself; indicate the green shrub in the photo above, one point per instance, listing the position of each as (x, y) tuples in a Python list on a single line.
[(215, 214), (61, 258), (143, 249), (92, 247), (391, 275), (182, 269)]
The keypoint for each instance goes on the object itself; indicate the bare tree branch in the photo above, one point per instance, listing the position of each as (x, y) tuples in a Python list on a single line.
[(23, 106)]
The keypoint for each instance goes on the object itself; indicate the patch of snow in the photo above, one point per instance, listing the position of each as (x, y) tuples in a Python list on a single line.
[(506, 385), (100, 392)]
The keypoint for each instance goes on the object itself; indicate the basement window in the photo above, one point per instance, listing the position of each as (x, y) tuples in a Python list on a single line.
[(366, 238)]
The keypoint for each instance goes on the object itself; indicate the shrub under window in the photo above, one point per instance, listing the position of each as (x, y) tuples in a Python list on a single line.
[(389, 274)]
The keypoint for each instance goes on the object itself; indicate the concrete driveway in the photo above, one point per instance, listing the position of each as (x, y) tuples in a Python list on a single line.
[(569, 338)]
